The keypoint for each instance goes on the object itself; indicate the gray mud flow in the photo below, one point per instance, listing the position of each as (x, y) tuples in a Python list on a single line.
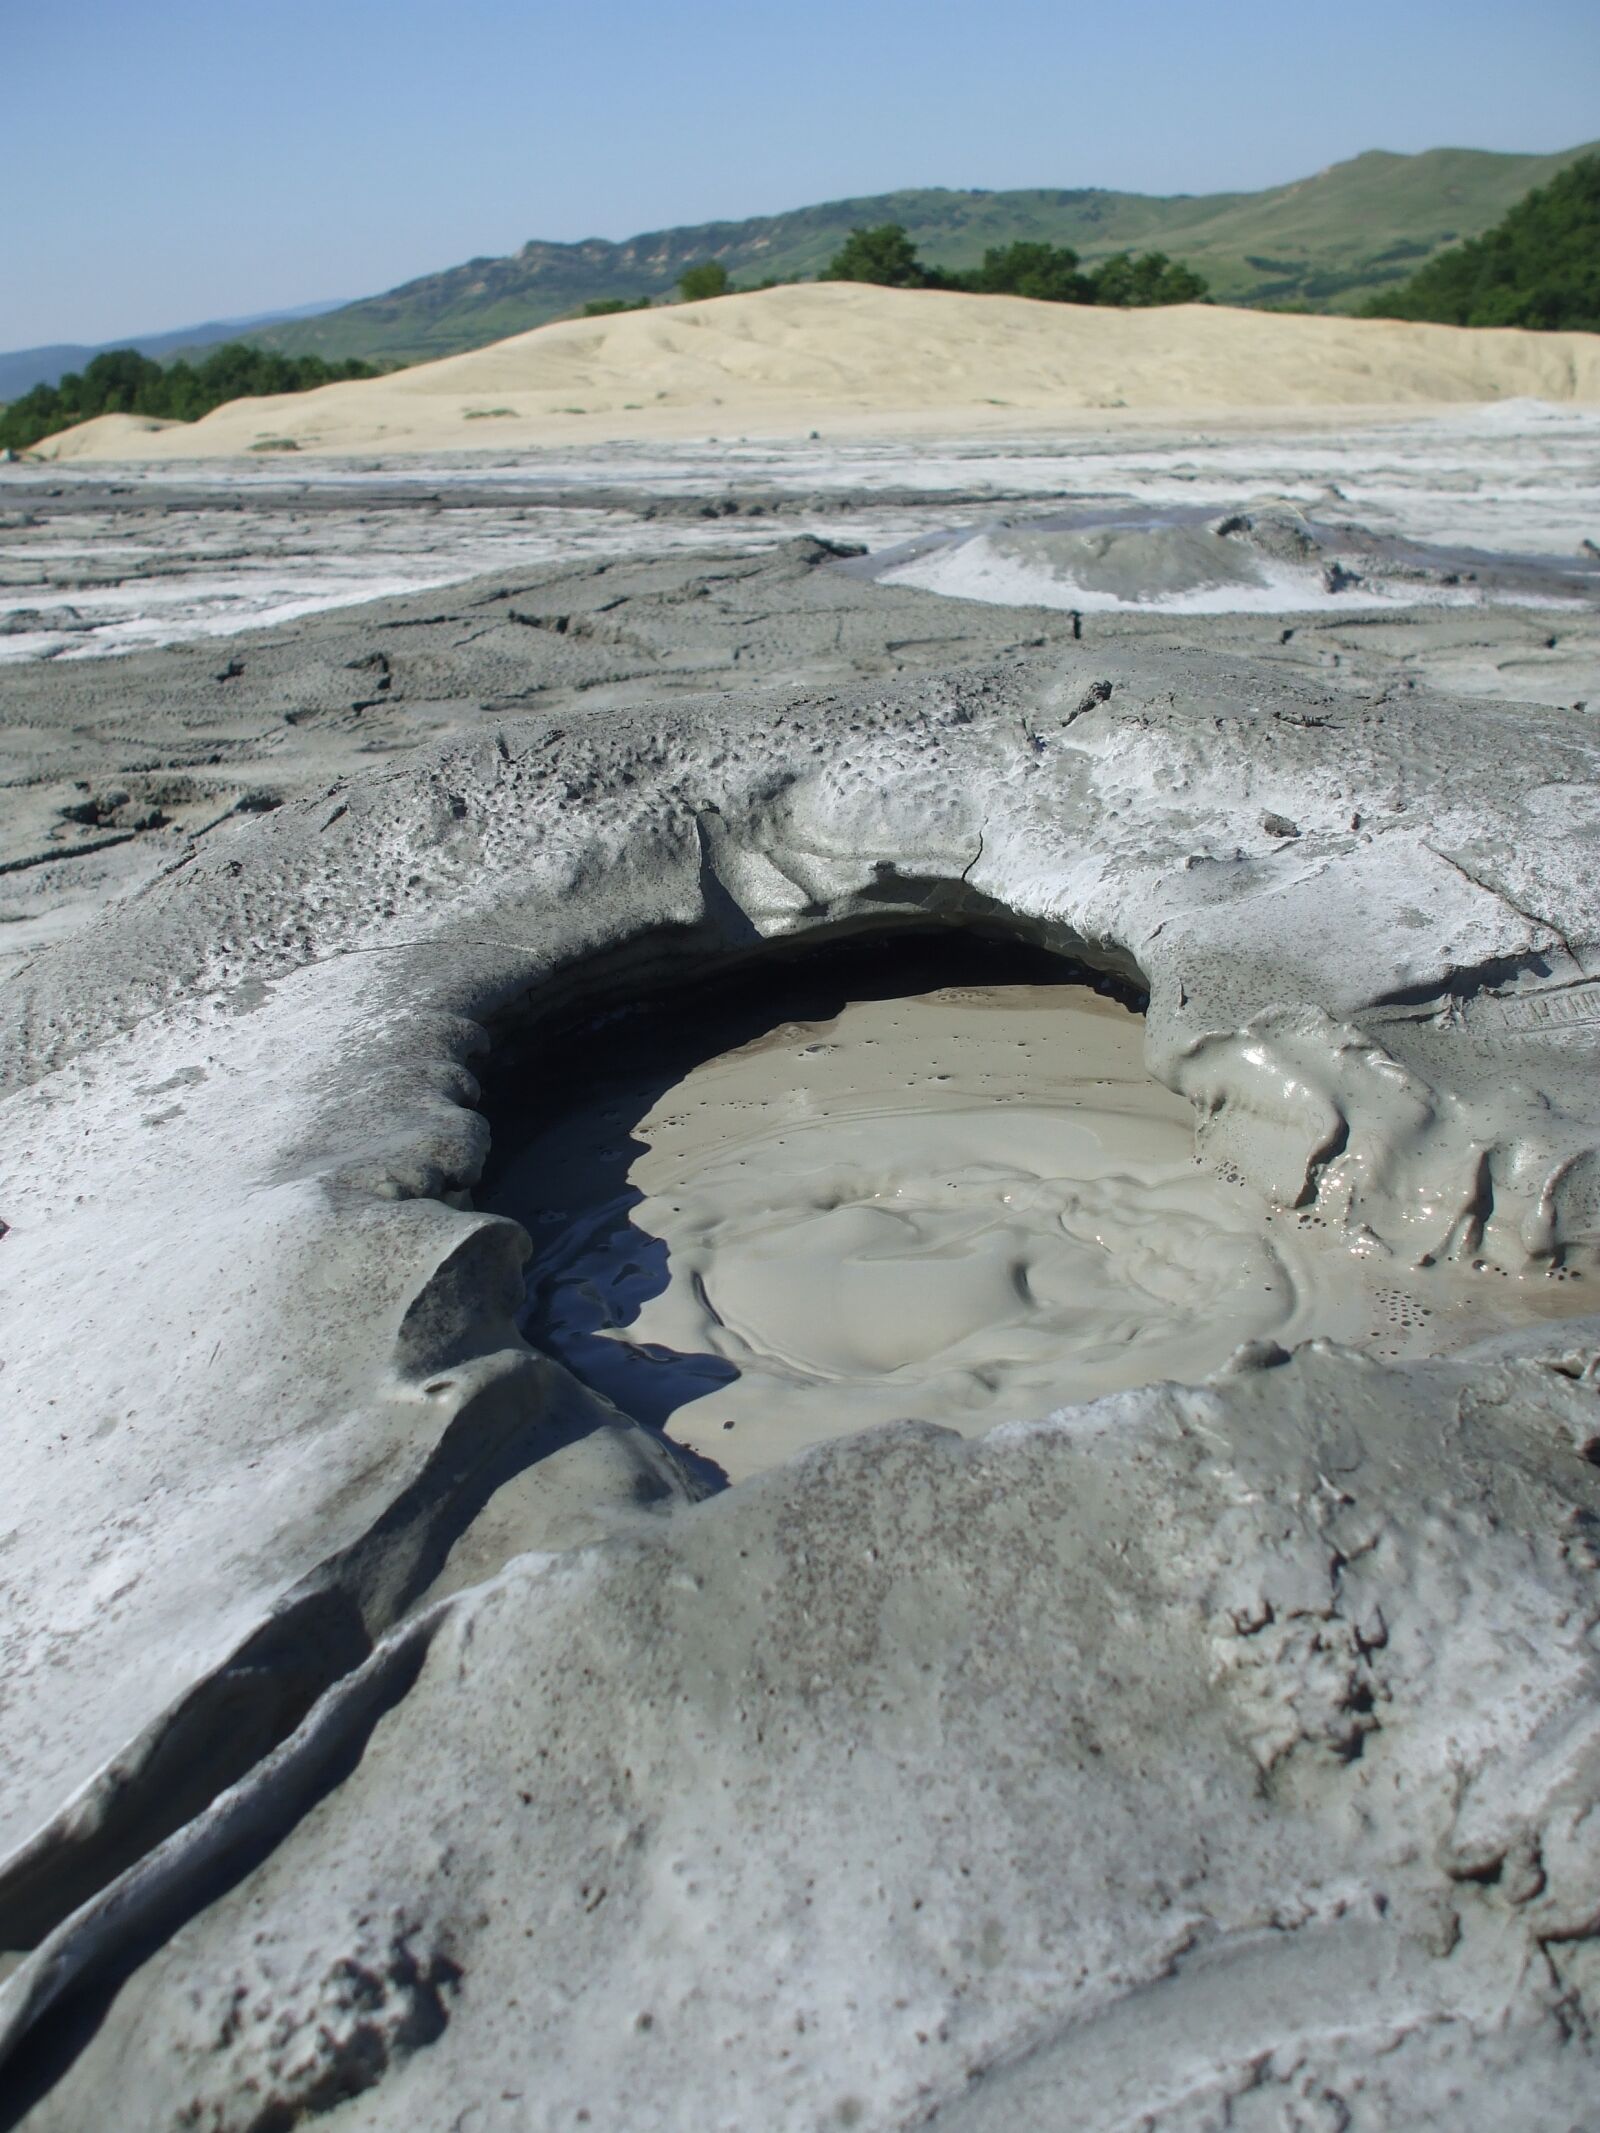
[(913, 1179), (1259, 556)]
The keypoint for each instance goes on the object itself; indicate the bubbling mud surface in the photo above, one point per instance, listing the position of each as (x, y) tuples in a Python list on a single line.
[(970, 1204)]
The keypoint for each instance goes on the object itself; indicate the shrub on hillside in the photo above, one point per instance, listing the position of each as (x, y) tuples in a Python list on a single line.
[(884, 256), (1048, 273), (1152, 278), (1538, 267), (709, 278)]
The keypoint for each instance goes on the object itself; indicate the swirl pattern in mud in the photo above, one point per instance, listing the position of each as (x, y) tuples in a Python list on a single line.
[(970, 1205)]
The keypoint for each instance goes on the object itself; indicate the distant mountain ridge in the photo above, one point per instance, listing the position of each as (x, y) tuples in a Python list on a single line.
[(1325, 242), (21, 368)]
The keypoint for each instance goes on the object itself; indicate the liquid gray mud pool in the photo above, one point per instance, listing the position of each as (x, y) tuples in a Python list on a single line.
[(967, 1203)]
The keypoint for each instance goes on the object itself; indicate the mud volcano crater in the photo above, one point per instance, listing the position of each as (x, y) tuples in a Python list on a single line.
[(915, 1174)]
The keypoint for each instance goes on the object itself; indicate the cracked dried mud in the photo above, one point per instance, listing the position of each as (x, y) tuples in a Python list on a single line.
[(1101, 1100)]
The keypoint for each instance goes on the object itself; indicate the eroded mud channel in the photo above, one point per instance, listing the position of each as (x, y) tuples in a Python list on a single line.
[(929, 1183)]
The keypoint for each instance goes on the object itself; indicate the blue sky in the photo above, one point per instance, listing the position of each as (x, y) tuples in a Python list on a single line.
[(192, 159)]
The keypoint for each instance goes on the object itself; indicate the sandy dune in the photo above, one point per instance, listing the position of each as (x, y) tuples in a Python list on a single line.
[(848, 357)]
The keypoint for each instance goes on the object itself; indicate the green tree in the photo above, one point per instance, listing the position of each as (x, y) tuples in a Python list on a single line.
[(120, 382), (1151, 279), (609, 306), (1539, 266), (885, 256), (709, 278), (38, 413), (1046, 272), (183, 392)]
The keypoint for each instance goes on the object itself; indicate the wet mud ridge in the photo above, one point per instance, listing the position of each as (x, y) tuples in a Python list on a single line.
[(1170, 1048)]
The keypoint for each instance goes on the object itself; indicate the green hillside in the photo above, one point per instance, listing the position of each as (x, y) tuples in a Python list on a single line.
[(1540, 267), (1329, 242)]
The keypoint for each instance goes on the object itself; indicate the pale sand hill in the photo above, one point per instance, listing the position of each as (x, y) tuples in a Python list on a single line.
[(848, 357)]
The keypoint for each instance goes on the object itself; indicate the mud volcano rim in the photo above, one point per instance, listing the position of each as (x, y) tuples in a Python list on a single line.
[(638, 978)]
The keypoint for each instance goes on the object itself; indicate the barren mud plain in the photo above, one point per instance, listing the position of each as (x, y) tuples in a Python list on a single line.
[(802, 1283)]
